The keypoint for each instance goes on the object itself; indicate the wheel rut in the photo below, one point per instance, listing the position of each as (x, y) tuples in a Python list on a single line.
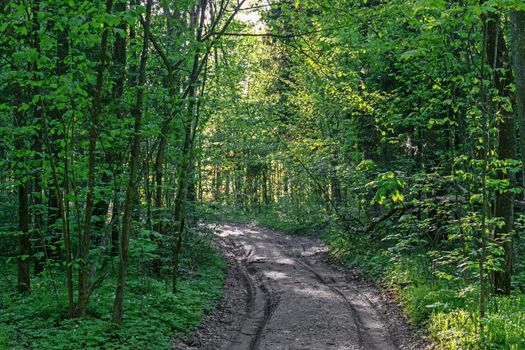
[(357, 319), (261, 301)]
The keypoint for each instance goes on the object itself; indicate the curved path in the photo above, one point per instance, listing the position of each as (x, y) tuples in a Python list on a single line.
[(282, 294)]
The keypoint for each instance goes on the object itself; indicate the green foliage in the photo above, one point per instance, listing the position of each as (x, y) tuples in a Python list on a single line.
[(448, 309), (382, 118), (153, 314), (3, 339), (503, 326)]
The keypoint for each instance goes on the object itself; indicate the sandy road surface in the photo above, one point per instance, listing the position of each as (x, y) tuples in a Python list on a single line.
[(282, 294)]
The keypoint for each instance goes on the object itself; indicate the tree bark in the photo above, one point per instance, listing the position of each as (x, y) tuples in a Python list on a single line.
[(118, 307), (517, 20), (159, 177), (497, 57), (180, 199), (37, 149), (120, 60), (24, 280), (53, 205), (83, 285)]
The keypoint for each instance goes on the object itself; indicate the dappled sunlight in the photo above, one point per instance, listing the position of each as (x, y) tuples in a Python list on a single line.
[(311, 292), (311, 299), (275, 275), (285, 261), (308, 148), (230, 231)]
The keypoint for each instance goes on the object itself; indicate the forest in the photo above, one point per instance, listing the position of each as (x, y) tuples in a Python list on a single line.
[(393, 131)]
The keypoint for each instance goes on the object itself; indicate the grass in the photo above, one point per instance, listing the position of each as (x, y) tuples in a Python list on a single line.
[(447, 311), (152, 314)]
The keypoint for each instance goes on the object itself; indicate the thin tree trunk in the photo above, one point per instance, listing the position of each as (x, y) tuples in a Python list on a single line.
[(335, 185), (180, 199), (53, 215), (24, 280), (24, 247), (496, 56), (83, 285), (118, 307), (37, 149), (196, 18), (517, 19), (159, 177), (66, 237), (120, 81)]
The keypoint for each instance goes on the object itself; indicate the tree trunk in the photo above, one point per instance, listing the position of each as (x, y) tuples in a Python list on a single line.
[(335, 185), (83, 286), (517, 19), (53, 211), (159, 177), (120, 81), (197, 20), (24, 281), (496, 56), (118, 307), (180, 201), (24, 248), (36, 196)]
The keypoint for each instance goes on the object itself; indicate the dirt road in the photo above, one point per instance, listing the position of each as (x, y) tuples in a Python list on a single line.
[(282, 294)]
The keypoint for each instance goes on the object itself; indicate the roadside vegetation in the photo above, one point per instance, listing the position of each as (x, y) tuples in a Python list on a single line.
[(394, 129), (154, 314)]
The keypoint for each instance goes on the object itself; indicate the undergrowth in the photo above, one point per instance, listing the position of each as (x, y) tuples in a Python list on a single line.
[(152, 313), (449, 311)]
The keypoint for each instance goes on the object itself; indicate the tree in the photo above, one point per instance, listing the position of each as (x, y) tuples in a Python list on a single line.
[(118, 308), (517, 19), (497, 57), (85, 241)]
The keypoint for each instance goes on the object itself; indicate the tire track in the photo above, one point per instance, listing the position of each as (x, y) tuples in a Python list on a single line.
[(284, 297), (364, 328), (357, 319), (261, 301)]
